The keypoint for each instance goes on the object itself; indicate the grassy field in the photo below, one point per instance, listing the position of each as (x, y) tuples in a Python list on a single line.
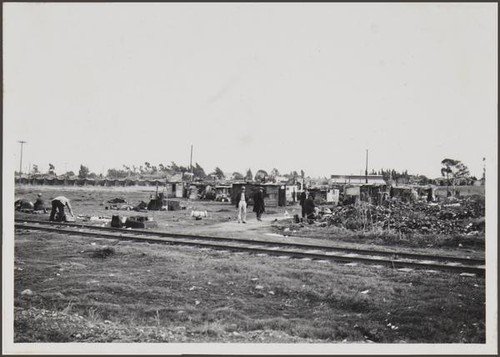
[(67, 290)]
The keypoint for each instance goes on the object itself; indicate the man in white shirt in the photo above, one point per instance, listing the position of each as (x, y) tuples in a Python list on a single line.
[(241, 205)]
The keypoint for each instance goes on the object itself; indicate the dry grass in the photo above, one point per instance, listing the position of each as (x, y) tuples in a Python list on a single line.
[(151, 292)]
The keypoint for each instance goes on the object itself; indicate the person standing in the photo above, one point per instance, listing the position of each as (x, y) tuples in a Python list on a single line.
[(309, 208), (258, 203), (58, 204), (303, 197), (241, 205)]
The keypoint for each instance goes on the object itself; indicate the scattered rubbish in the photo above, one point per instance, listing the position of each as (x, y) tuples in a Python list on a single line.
[(468, 274), (365, 292), (117, 200), (99, 219), (196, 302), (27, 292), (259, 287), (273, 234), (118, 221), (140, 222), (103, 252), (141, 207), (465, 216)]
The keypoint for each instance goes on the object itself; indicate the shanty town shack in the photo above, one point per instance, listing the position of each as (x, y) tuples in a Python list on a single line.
[(174, 187), (222, 191), (357, 179), (371, 193)]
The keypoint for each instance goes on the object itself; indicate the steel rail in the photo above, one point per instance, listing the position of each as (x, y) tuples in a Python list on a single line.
[(395, 263), (269, 243)]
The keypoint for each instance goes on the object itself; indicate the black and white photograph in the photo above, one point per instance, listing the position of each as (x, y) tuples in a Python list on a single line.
[(249, 178)]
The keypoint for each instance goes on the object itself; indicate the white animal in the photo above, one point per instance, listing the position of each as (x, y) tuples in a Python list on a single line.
[(199, 214)]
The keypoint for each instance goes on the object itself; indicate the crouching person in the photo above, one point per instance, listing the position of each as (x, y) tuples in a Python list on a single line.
[(23, 205), (39, 204), (58, 205)]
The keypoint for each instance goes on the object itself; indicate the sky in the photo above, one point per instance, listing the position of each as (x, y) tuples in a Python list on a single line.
[(289, 86)]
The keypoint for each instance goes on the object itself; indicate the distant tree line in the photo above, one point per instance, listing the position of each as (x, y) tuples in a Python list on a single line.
[(454, 172)]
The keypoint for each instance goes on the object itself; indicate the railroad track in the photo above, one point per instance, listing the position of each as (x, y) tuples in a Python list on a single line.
[(396, 260)]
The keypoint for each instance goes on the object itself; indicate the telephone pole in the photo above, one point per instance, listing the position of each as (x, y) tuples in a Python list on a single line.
[(191, 159), (21, 163), (366, 168)]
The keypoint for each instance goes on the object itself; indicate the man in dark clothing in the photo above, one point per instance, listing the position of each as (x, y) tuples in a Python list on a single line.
[(258, 203), (58, 204), (303, 197), (308, 207), (39, 204)]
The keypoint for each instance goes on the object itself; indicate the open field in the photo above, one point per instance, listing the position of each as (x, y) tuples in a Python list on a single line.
[(143, 292)]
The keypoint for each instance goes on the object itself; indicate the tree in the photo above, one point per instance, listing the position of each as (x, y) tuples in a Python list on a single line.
[(274, 173), (237, 176), (52, 169), (199, 172), (69, 174), (249, 175), (84, 172), (114, 173), (294, 175), (454, 170), (34, 170), (423, 180), (261, 176), (177, 169), (92, 175), (302, 173), (219, 173)]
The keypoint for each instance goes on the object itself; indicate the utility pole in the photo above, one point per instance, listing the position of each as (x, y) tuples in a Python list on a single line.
[(191, 159), (484, 170), (366, 168), (21, 163)]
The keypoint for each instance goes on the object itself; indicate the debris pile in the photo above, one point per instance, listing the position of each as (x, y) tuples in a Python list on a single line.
[(464, 216)]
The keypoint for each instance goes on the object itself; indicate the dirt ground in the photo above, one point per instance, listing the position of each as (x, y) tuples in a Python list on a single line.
[(89, 204), (66, 290)]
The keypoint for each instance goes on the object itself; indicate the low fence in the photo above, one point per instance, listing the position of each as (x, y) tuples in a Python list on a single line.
[(88, 182), (459, 191)]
